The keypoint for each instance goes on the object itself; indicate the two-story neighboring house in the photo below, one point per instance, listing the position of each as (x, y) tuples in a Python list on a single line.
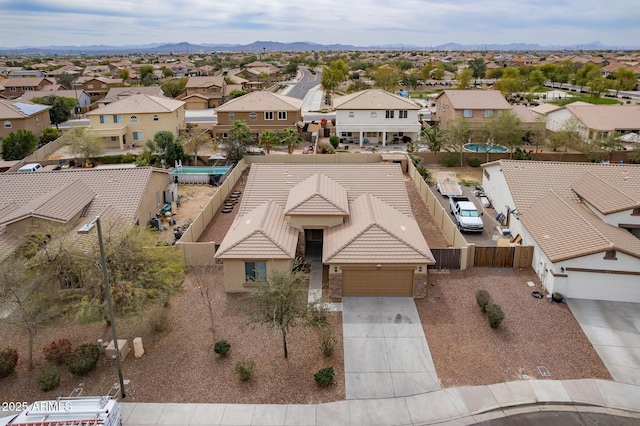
[(583, 220), (16, 115), (16, 87), (135, 119), (261, 111), (97, 87), (374, 116), (116, 94), (204, 92), (476, 106)]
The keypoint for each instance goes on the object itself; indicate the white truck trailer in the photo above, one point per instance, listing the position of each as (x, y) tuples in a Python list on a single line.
[(448, 184), (80, 411)]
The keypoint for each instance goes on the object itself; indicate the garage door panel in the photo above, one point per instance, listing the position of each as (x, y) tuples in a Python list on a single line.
[(614, 287), (377, 282)]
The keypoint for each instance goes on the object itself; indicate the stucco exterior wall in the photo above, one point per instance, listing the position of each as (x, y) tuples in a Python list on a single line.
[(234, 278), (34, 123), (314, 222), (153, 197)]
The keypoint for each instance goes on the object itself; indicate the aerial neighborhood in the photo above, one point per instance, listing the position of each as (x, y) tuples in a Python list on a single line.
[(329, 236)]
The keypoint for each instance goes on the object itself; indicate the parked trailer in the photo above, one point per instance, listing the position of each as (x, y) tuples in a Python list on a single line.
[(80, 411), (448, 185)]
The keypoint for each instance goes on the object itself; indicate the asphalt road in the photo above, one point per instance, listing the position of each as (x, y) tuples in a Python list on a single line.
[(564, 418), (305, 83)]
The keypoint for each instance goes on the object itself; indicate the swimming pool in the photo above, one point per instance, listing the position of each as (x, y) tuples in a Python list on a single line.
[(200, 175), (481, 147)]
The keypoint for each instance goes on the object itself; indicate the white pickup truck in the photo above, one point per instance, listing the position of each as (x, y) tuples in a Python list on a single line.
[(466, 214)]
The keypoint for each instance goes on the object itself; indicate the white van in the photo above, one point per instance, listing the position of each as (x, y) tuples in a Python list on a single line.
[(31, 167), (93, 410)]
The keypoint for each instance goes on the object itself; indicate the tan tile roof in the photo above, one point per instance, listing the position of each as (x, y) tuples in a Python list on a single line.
[(592, 189), (261, 233), (139, 104), (565, 230), (116, 93), (72, 94), (524, 114), (24, 81), (545, 109), (375, 233), (476, 99), (607, 117), (19, 109), (206, 81), (317, 195), (60, 204), (530, 180), (373, 99), (261, 100)]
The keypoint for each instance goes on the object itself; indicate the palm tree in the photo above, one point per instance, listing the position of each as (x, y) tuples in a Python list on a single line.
[(433, 137), (267, 139), (290, 137)]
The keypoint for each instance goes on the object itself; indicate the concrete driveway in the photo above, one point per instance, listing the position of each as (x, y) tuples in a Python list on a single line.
[(385, 350), (614, 331)]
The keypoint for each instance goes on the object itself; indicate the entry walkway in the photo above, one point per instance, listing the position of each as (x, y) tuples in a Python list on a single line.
[(385, 351)]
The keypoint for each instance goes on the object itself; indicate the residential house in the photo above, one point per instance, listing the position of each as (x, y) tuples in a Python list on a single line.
[(16, 87), (261, 71), (118, 93), (261, 111), (25, 74), (356, 219), (16, 115), (136, 118), (97, 87), (583, 220), (475, 106), (97, 71), (376, 117), (205, 92), (71, 198), (82, 98)]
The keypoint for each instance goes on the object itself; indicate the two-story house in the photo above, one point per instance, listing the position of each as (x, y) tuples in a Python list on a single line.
[(16, 115), (16, 87), (476, 106), (204, 92), (97, 87), (261, 111), (376, 117), (134, 119)]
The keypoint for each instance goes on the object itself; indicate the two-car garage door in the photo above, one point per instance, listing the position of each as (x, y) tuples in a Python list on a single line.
[(377, 282)]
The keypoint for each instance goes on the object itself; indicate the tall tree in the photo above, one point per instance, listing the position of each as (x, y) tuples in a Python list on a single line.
[(568, 136), (18, 145), (289, 137), (279, 303), (197, 139), (458, 134), (609, 143), (173, 88), (65, 79), (83, 144), (268, 138), (505, 128), (479, 68), (61, 107), (166, 148), (627, 78), (236, 145), (333, 75), (123, 73), (464, 78), (387, 77), (433, 137)]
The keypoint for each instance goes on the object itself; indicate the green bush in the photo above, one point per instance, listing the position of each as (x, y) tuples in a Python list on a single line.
[(495, 315), (474, 161), (221, 347), (451, 159), (48, 378), (244, 367), (324, 377), (327, 342), (58, 351), (83, 360), (334, 141), (116, 159), (8, 361), (483, 299)]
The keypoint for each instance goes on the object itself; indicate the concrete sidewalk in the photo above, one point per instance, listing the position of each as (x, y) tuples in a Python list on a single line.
[(459, 406)]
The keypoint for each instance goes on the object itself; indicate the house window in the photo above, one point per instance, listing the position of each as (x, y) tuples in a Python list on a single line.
[(467, 113), (37, 120), (610, 255), (352, 114), (225, 136), (14, 89), (489, 113), (214, 89), (138, 136), (117, 119), (253, 116), (7, 124), (112, 138), (403, 114), (373, 115), (282, 115), (255, 271), (268, 115), (389, 114), (133, 119), (104, 86), (155, 117), (232, 116), (104, 119), (89, 86)]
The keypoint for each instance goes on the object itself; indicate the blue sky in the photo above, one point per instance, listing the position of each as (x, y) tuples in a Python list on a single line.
[(357, 22)]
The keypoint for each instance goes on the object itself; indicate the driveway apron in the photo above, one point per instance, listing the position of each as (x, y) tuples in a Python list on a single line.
[(385, 350), (614, 331)]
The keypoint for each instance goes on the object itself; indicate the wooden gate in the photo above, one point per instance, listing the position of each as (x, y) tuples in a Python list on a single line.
[(446, 258), (503, 257)]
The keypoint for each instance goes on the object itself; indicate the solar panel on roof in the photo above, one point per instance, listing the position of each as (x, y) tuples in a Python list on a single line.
[(29, 109)]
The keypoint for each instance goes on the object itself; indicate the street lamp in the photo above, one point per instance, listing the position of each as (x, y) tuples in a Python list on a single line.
[(105, 278)]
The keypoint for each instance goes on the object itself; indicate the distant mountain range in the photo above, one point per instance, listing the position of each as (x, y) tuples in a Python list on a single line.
[(301, 46)]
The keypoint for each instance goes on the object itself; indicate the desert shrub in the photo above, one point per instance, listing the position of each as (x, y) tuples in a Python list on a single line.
[(221, 347), (334, 141), (482, 299), (58, 351), (317, 314), (474, 161), (451, 159), (48, 378), (327, 342), (244, 367), (159, 320), (324, 377), (325, 148), (495, 315), (8, 361), (83, 360)]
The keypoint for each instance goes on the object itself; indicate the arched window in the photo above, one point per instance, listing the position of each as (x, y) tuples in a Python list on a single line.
[(7, 124), (352, 114), (133, 119), (253, 116), (373, 115), (232, 116), (155, 117)]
